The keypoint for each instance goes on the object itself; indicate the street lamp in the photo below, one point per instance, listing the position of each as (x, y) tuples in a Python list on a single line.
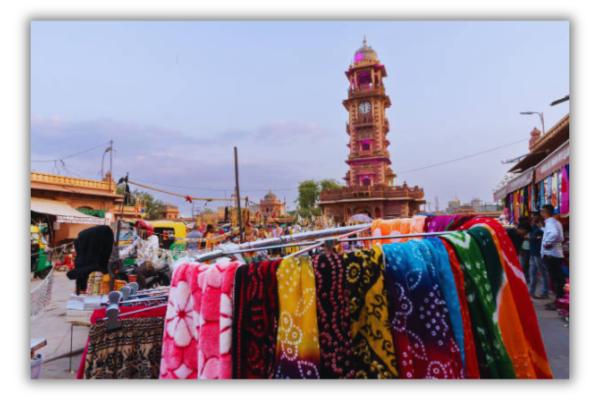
[(541, 117)]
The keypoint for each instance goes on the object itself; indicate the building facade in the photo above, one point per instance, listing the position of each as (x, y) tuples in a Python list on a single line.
[(271, 207), (370, 179)]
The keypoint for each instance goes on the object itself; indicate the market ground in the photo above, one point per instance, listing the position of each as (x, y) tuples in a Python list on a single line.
[(51, 325)]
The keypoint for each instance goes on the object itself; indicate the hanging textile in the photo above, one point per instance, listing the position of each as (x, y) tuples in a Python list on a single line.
[(564, 190), (439, 223), (132, 352), (471, 363), (493, 359), (333, 312), (505, 308), (372, 342), (226, 321), (255, 324), (459, 220), (180, 341), (435, 353), (417, 224), (520, 293), (554, 198), (297, 332), (445, 279)]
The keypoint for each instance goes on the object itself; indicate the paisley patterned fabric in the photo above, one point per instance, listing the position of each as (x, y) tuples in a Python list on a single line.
[(423, 316), (133, 352), (372, 342), (471, 364), (445, 279), (518, 287), (333, 313), (297, 332), (506, 310), (255, 323), (493, 359)]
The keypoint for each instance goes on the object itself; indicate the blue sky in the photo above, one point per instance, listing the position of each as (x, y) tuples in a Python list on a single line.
[(177, 96)]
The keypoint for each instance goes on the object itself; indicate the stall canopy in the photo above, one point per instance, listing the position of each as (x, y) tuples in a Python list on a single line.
[(64, 213), (522, 180), (555, 161)]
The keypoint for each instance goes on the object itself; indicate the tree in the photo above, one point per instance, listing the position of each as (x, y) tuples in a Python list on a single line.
[(329, 184), (308, 194)]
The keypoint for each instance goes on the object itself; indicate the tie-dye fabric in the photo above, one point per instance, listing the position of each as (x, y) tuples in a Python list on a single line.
[(506, 310), (520, 293), (445, 278), (471, 362), (423, 314), (298, 355), (494, 361), (372, 342), (439, 223)]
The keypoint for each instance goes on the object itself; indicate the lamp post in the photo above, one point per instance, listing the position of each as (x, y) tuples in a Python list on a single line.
[(541, 117)]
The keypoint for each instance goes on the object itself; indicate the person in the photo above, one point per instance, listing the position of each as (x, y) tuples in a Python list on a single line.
[(209, 233), (552, 252), (194, 234), (536, 217), (536, 263), (524, 254), (517, 235)]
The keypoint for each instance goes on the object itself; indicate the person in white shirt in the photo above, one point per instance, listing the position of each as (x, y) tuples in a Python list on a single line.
[(552, 253)]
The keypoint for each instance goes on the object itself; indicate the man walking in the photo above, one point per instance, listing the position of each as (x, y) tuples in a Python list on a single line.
[(194, 234), (552, 253), (536, 263)]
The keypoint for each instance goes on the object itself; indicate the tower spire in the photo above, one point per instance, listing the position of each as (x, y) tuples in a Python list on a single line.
[(365, 40)]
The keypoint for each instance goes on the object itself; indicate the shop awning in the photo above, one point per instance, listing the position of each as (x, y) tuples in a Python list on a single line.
[(555, 161), (64, 213), (515, 184)]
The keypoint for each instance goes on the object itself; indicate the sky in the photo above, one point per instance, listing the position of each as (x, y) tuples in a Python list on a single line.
[(176, 97)]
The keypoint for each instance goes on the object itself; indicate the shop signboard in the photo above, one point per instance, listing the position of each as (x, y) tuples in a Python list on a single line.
[(555, 161), (515, 184)]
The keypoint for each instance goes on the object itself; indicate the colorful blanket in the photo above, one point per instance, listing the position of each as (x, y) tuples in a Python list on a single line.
[(372, 342), (298, 354)]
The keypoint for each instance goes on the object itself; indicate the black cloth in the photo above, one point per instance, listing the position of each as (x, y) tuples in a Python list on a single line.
[(554, 266), (535, 245), (93, 247)]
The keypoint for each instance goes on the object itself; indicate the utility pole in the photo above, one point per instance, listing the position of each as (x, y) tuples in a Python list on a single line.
[(110, 180), (237, 195)]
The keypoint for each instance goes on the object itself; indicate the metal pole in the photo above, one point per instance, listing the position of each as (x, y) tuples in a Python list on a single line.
[(110, 181), (237, 195), (543, 128)]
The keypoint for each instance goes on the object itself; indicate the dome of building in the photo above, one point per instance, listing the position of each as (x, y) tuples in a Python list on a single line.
[(270, 195), (365, 55)]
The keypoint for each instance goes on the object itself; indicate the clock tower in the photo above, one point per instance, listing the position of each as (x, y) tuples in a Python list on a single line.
[(367, 126), (370, 185)]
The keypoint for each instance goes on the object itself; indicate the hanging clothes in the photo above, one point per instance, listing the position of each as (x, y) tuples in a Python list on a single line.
[(505, 307), (445, 279), (471, 362), (439, 223), (372, 342), (554, 198), (333, 312), (564, 190), (298, 354), (518, 286), (435, 353), (255, 323), (458, 220), (493, 359)]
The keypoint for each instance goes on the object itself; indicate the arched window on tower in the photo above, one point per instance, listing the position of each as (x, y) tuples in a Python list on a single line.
[(366, 182), (364, 81)]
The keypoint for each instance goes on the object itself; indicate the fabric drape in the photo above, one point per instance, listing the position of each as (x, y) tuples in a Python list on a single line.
[(333, 312), (298, 354), (493, 359), (439, 223), (518, 286), (255, 324), (372, 342), (435, 353)]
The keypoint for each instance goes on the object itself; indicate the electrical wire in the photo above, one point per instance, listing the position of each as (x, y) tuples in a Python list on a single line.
[(462, 158), (72, 155)]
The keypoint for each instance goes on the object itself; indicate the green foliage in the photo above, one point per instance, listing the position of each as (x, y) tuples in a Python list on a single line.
[(308, 194), (207, 211), (330, 184)]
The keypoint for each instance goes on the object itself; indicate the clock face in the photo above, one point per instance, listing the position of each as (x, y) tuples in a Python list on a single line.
[(364, 108)]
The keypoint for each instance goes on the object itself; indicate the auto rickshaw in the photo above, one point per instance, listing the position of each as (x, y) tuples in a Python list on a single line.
[(169, 233), (40, 266)]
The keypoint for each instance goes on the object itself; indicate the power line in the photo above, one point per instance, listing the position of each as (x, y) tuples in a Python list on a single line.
[(72, 155), (462, 158)]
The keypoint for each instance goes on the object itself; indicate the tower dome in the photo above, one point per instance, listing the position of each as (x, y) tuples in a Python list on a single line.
[(270, 195), (365, 55)]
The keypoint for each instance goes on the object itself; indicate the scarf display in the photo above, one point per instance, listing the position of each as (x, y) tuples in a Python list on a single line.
[(506, 310), (493, 359), (564, 190), (297, 354), (372, 342), (439, 223), (443, 276), (255, 323), (434, 351), (333, 312), (132, 352), (520, 293), (471, 362)]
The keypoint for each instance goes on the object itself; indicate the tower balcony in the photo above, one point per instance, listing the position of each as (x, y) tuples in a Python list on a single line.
[(365, 90), (374, 191), (386, 126), (363, 122)]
